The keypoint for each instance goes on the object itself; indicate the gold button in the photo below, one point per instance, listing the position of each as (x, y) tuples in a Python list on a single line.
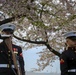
[(9, 55), (9, 51), (1, 51), (8, 65)]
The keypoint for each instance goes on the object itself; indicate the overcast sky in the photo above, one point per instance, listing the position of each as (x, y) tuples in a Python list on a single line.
[(30, 58)]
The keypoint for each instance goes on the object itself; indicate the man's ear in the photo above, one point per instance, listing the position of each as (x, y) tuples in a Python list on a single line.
[(2, 32), (67, 41)]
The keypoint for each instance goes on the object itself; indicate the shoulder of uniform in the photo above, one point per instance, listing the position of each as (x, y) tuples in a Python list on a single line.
[(65, 52), (16, 46), (1, 43)]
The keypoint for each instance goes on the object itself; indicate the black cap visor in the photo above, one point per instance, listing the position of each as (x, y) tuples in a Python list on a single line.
[(71, 38), (8, 31)]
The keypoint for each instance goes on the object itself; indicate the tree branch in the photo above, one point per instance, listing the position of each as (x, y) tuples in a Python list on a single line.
[(52, 50), (7, 20), (40, 42), (35, 42)]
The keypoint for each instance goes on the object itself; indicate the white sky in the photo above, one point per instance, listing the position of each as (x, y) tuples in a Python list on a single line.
[(30, 58)]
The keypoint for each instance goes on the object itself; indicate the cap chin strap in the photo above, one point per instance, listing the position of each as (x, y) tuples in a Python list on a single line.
[(4, 36)]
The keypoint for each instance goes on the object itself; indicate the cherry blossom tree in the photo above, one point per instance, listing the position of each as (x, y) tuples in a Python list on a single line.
[(43, 22)]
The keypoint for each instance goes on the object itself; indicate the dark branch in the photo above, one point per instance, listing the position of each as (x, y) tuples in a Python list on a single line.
[(41, 11), (35, 42), (40, 42), (52, 50), (7, 20)]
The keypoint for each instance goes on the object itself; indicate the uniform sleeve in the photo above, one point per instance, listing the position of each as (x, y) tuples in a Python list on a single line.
[(21, 61), (63, 64)]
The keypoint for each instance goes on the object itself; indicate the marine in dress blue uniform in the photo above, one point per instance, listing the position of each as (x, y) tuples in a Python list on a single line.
[(68, 56), (6, 61)]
